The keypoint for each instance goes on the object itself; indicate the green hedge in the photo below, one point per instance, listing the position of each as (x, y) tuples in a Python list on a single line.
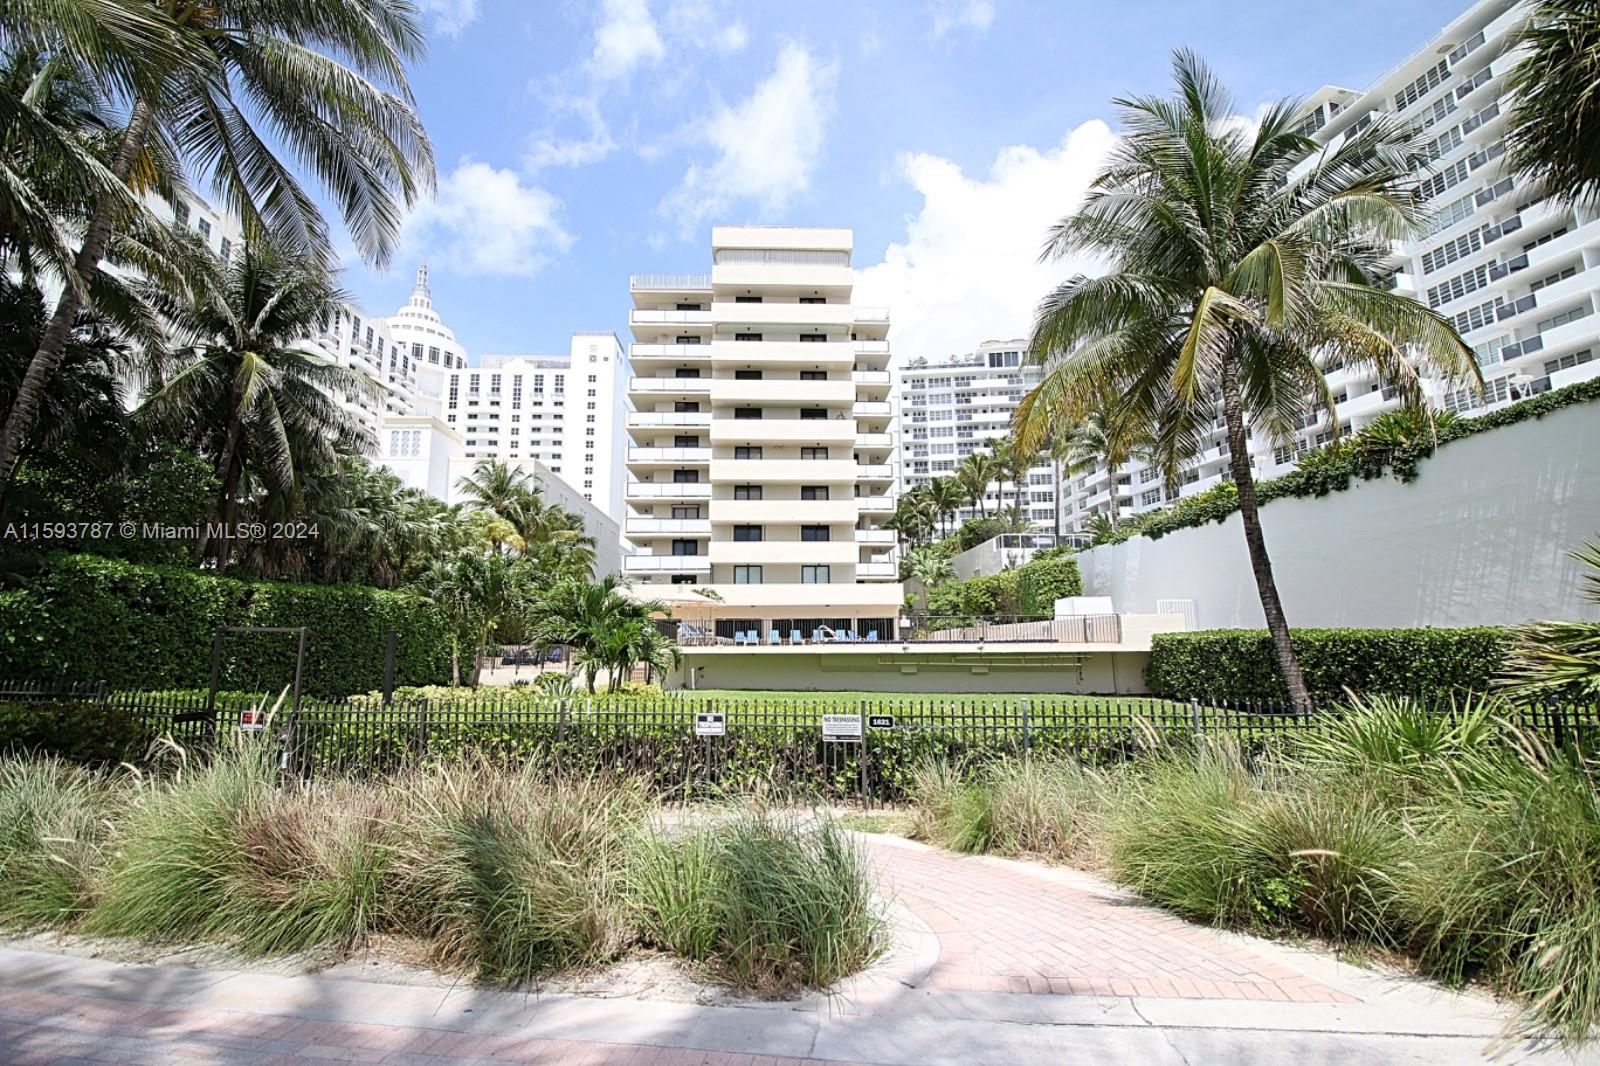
[(1031, 588), (89, 618), (1241, 664), (1335, 467)]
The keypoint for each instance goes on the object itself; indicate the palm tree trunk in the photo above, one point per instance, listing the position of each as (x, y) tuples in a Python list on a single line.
[(455, 662), (228, 482), (1056, 465), (1249, 513), (30, 394)]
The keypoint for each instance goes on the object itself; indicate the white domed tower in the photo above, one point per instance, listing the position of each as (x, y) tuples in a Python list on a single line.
[(431, 345)]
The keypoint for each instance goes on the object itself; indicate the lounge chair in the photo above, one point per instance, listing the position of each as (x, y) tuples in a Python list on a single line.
[(773, 637), (794, 637)]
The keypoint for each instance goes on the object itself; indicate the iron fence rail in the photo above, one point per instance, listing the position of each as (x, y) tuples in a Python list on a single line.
[(760, 744)]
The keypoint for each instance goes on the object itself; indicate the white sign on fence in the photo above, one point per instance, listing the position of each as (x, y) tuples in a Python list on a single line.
[(710, 725), (841, 728)]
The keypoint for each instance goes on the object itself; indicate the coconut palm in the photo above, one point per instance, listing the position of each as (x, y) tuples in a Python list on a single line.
[(1554, 132), (946, 496), (1560, 660), (511, 492), (915, 516), (247, 393), (1235, 276), (226, 85), (1105, 439), (1058, 449), (929, 567), (598, 621), (975, 474), (1014, 462)]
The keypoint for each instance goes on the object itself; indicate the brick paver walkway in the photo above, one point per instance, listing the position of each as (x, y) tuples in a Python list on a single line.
[(54, 1029), (1004, 928)]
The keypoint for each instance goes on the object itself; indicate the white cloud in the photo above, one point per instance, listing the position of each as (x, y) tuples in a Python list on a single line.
[(704, 24), (449, 17), (951, 15), (486, 220), (552, 147), (767, 147), (968, 269), (626, 38)]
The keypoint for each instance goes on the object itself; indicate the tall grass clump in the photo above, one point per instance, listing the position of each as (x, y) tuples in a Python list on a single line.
[(951, 811), (55, 826), (1045, 807), (512, 876), (765, 902), (1503, 883), (226, 852)]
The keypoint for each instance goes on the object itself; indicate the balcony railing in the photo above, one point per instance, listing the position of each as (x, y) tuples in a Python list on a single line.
[(696, 386), (918, 629), (668, 490), (670, 282), (666, 564)]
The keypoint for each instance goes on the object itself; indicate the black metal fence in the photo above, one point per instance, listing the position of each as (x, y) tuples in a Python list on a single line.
[(685, 746)]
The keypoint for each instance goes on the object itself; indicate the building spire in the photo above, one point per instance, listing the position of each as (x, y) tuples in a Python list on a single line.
[(421, 288)]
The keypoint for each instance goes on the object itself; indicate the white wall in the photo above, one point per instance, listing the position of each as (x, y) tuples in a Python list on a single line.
[(1479, 538)]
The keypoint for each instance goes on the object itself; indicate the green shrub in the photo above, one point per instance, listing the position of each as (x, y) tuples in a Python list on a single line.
[(767, 903), (1031, 589), (510, 876), (86, 618), (90, 731), (1042, 807), (1241, 663), (54, 831)]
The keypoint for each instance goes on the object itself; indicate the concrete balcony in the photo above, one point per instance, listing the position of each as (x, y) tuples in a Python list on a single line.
[(684, 283), (875, 504), (871, 409), (804, 276), (671, 386), (658, 419), (666, 564), (875, 472), (876, 536), (778, 552), (639, 316), (789, 392), (871, 347), (785, 472), (651, 491), (671, 353), (730, 314), (871, 314), (877, 571), (806, 432), (668, 527), (873, 441), (873, 378), (789, 512), (1360, 406), (668, 456), (792, 353)]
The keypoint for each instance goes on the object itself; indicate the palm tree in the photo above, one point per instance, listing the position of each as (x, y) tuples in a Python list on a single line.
[(1058, 449), (946, 496), (1234, 279), (247, 393), (598, 621), (511, 492), (930, 567), (1014, 462), (222, 84), (479, 593), (1554, 133), (975, 474), (1105, 440), (914, 516)]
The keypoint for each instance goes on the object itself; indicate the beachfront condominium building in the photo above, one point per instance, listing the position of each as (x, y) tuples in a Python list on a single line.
[(760, 458), (429, 348), (1518, 274), (952, 407), (566, 411)]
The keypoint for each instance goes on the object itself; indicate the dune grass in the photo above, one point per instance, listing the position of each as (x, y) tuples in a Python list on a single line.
[(55, 826)]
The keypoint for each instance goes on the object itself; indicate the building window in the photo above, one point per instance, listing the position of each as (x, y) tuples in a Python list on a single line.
[(686, 477), (813, 453), (744, 451), (747, 375), (813, 299), (747, 412), (746, 533), (815, 575), (685, 440), (747, 336), (747, 299), (814, 533), (685, 547), (686, 512), (747, 575), (813, 413), (814, 338), (813, 492), (686, 407), (813, 375), (680, 372), (747, 492), (683, 579)]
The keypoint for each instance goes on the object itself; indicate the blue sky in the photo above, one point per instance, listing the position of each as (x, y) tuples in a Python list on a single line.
[(579, 142)]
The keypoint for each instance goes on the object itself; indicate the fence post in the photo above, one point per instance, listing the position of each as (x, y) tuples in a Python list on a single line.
[(1194, 722), (1558, 721), (861, 710), (1027, 738), (422, 728), (390, 641)]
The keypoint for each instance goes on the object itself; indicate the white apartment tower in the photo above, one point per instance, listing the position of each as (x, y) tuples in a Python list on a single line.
[(430, 347), (760, 457), (565, 411), (951, 408)]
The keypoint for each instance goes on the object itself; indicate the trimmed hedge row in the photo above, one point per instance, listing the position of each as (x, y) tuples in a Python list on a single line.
[(88, 618), (1241, 663), (1335, 467), (1030, 589)]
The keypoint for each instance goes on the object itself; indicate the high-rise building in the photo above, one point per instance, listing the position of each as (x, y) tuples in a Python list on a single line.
[(1517, 274), (566, 411), (950, 408), (761, 457), (429, 346)]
